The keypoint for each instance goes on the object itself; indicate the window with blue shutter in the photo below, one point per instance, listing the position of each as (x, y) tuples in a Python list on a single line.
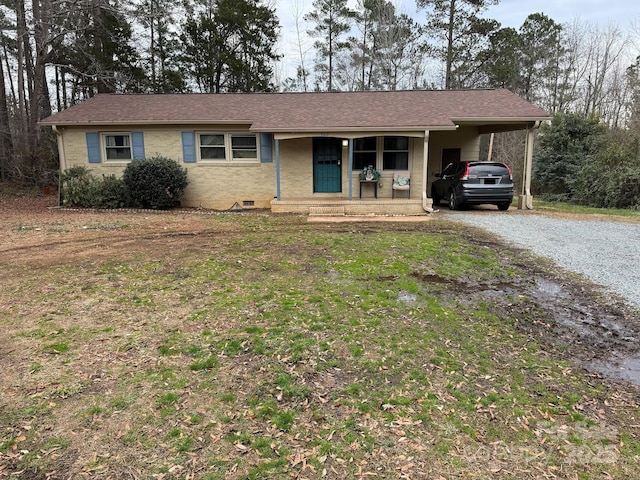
[(266, 145), (137, 144), (188, 147), (93, 147)]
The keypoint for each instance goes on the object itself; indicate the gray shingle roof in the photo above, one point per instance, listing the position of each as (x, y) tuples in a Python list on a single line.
[(416, 109)]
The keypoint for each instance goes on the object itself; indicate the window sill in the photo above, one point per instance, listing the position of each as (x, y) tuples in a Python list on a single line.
[(213, 163)]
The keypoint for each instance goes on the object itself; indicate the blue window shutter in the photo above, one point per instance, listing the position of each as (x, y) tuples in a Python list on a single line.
[(137, 143), (93, 147), (188, 147), (266, 143)]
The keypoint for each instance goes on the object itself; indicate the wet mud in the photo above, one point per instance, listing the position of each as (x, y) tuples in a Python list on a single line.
[(597, 331)]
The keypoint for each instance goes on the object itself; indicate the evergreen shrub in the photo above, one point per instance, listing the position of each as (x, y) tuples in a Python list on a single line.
[(156, 182), (76, 185), (81, 189)]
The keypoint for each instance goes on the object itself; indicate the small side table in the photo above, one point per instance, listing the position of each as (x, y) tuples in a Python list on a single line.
[(370, 182)]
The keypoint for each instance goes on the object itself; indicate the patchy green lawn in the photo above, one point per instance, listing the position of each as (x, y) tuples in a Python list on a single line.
[(249, 346), (572, 209)]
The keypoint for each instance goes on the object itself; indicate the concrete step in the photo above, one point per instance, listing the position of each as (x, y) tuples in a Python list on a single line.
[(326, 211)]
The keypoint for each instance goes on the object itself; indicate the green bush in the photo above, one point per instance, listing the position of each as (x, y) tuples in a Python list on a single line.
[(76, 186), (570, 142), (109, 192), (81, 189), (156, 182), (612, 178)]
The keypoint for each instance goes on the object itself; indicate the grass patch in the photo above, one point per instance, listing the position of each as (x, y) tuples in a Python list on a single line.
[(565, 207), (266, 347)]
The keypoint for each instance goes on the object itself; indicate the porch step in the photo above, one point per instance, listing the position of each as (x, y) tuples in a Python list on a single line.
[(330, 211)]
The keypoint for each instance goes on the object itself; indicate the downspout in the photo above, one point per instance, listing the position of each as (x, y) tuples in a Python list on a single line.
[(62, 160), (528, 162), (427, 203), (350, 169), (278, 169)]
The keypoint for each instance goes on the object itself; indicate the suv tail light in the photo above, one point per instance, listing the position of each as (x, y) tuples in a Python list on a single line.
[(510, 172), (465, 174)]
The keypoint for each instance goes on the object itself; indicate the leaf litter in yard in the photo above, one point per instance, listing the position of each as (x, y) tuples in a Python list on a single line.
[(191, 345)]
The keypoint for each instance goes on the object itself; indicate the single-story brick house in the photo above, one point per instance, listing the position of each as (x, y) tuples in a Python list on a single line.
[(295, 152)]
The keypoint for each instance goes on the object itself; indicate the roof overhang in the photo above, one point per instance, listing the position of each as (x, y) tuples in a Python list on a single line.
[(495, 125), (124, 123), (358, 133)]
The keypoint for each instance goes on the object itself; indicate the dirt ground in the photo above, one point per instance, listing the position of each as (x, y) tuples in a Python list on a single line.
[(596, 328)]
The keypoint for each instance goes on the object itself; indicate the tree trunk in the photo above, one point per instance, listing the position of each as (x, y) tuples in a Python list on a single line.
[(6, 142)]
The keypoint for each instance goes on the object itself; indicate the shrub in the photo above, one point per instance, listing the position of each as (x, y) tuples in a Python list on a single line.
[(109, 192), (81, 189), (76, 186), (156, 182)]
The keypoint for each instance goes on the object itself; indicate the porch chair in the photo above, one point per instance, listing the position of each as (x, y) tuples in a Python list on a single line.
[(401, 181)]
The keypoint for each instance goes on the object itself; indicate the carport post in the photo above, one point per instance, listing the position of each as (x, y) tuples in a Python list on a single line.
[(427, 203), (526, 200)]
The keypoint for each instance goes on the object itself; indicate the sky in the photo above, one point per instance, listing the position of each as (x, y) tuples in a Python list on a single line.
[(624, 14), (512, 13)]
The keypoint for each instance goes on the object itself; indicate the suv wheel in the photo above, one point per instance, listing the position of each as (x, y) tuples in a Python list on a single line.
[(504, 206), (453, 200)]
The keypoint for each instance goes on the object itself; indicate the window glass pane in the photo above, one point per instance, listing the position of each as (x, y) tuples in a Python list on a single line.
[(212, 153), (117, 153), (116, 140), (248, 141), (244, 154), (396, 153), (367, 143), (395, 160), (117, 147), (212, 146), (363, 159), (244, 147), (396, 143), (212, 140), (364, 152)]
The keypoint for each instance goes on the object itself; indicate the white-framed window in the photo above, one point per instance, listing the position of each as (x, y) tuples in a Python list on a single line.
[(386, 153), (212, 146), (227, 147), (395, 153), (364, 152), (117, 146)]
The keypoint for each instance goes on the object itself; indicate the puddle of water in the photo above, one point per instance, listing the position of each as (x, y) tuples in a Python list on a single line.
[(600, 329), (627, 369), (550, 289), (408, 298)]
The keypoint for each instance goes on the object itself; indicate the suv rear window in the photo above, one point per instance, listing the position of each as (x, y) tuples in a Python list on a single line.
[(494, 170)]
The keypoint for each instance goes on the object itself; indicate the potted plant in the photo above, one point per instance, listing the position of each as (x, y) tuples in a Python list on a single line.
[(370, 174)]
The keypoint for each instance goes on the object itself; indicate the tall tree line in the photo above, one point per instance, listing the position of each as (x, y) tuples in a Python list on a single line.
[(55, 53), (559, 67)]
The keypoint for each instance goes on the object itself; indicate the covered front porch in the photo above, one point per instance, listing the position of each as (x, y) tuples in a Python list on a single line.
[(301, 158)]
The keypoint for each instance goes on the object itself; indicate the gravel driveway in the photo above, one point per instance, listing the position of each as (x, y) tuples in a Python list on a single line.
[(607, 252)]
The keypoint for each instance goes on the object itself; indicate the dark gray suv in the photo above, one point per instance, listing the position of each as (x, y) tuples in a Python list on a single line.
[(474, 183)]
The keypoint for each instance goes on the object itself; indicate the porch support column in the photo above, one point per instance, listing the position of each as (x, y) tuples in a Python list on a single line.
[(277, 169), (427, 203), (526, 199), (350, 167)]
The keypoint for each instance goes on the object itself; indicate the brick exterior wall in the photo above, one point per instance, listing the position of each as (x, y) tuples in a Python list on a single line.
[(221, 185)]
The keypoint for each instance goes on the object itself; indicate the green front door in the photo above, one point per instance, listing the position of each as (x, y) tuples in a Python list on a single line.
[(327, 160)]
